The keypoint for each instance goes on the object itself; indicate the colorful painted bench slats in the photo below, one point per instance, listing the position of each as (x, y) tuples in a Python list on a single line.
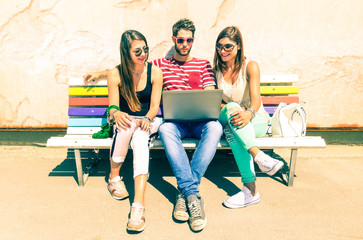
[(103, 91), (87, 108)]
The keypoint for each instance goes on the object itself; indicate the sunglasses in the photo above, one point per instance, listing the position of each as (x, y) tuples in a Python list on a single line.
[(227, 47), (139, 51), (182, 40)]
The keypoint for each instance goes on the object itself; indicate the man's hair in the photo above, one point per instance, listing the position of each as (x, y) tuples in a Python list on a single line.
[(185, 24)]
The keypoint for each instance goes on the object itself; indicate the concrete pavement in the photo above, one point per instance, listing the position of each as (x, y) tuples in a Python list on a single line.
[(40, 199)]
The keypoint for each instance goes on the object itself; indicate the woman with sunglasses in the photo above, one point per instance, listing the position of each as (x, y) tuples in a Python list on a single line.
[(242, 116), (134, 92)]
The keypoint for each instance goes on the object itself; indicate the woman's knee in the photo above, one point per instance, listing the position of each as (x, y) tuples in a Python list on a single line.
[(226, 112), (140, 138)]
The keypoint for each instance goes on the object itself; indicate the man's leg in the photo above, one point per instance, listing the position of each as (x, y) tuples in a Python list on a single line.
[(171, 134), (210, 133)]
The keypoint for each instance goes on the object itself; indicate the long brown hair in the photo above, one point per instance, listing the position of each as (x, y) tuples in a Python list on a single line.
[(235, 35), (127, 88)]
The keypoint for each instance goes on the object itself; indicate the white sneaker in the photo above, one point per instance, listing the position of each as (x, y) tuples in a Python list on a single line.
[(242, 199), (268, 164)]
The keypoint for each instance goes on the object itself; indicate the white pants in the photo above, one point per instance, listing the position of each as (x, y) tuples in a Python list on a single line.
[(139, 144)]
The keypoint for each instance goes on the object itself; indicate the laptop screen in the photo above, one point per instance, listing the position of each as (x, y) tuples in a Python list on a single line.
[(192, 105)]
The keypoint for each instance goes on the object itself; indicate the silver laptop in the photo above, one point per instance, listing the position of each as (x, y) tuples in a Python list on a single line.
[(192, 105)]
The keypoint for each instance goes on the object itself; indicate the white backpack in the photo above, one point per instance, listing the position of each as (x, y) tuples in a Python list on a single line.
[(289, 120)]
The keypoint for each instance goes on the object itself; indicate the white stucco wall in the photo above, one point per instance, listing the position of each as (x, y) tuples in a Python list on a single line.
[(44, 42)]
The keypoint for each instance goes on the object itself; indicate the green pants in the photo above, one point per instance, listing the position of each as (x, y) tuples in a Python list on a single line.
[(241, 140)]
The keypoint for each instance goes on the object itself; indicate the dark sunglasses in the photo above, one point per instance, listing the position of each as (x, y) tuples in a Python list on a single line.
[(227, 47), (139, 51), (182, 40)]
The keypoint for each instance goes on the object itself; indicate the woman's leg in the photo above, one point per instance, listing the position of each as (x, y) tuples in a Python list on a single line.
[(237, 139), (139, 144), (247, 137), (119, 148)]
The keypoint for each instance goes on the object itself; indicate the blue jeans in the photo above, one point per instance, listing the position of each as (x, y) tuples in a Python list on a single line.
[(189, 174)]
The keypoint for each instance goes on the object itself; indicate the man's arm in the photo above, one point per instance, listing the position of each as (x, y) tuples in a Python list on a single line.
[(89, 77), (208, 77)]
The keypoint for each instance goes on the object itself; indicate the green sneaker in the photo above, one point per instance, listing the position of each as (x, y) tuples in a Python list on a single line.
[(180, 212), (197, 219)]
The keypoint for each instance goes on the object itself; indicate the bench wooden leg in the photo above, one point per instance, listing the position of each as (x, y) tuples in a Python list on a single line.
[(293, 158), (77, 155)]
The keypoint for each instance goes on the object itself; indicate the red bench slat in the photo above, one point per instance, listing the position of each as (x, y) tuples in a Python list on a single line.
[(276, 100), (88, 101)]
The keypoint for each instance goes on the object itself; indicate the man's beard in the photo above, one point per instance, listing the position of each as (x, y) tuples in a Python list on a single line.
[(179, 52)]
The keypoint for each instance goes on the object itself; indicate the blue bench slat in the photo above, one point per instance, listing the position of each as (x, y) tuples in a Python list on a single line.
[(86, 122)]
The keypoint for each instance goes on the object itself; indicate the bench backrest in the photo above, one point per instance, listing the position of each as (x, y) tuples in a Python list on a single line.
[(88, 103)]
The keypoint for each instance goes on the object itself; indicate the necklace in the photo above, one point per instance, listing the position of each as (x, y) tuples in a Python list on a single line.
[(138, 72)]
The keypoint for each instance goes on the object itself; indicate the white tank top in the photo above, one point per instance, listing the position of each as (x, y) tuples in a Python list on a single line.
[(239, 92)]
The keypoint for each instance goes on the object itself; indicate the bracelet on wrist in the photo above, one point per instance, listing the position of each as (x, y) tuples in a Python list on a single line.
[(114, 113), (147, 119), (252, 111), (110, 118)]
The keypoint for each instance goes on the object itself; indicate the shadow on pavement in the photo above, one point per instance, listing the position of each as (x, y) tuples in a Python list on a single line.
[(221, 167)]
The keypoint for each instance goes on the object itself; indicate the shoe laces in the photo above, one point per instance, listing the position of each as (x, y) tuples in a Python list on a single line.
[(267, 162), (119, 186), (195, 209), (136, 213), (180, 202)]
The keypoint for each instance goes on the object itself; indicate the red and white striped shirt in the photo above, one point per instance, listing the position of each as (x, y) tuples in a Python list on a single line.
[(195, 74)]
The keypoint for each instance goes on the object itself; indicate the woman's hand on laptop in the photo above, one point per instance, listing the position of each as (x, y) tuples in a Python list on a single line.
[(240, 118), (122, 120)]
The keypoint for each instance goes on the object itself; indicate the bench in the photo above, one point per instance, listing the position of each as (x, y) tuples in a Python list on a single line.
[(87, 112)]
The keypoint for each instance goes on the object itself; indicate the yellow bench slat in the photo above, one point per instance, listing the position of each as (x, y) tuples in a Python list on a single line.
[(266, 90), (88, 91)]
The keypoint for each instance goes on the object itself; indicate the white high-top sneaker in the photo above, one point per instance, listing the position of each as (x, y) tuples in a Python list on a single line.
[(242, 199), (268, 164)]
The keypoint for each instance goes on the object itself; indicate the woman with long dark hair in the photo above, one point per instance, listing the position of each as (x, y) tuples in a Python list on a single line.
[(242, 116), (134, 92)]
